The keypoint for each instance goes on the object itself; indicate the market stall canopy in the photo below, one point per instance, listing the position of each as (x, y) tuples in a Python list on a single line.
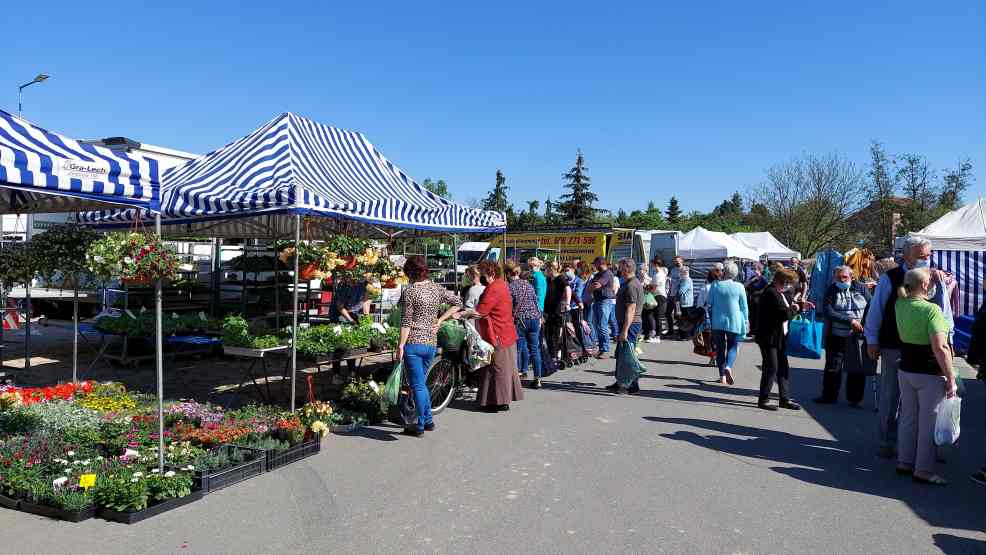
[(700, 243), (767, 244), (41, 171), (293, 165), (963, 229)]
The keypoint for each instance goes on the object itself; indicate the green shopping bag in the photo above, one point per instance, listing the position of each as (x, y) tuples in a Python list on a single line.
[(392, 389)]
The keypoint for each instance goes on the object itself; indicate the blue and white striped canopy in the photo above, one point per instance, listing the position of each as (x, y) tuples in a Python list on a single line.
[(41, 171), (293, 165)]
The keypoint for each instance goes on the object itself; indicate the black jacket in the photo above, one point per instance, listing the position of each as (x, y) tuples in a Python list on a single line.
[(771, 317)]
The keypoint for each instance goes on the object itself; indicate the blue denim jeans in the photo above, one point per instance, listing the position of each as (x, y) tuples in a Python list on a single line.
[(601, 311), (529, 345), (726, 344), (417, 361), (614, 331)]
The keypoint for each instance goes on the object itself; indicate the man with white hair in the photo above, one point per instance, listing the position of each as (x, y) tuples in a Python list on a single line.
[(629, 311), (883, 340)]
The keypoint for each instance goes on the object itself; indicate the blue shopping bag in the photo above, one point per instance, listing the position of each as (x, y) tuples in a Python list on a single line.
[(804, 336)]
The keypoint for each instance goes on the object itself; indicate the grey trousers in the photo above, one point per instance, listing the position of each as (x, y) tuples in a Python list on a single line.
[(919, 396), (889, 396)]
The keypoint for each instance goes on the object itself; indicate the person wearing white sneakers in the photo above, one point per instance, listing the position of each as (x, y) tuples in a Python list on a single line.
[(728, 317)]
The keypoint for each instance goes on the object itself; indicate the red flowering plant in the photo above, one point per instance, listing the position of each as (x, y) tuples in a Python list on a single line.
[(290, 429), (213, 433), (30, 395), (131, 256)]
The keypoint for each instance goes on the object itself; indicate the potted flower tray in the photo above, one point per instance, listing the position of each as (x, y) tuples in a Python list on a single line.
[(57, 513), (9, 502), (209, 481), (133, 517), (304, 449)]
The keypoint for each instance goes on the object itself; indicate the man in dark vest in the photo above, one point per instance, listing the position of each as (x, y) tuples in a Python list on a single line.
[(883, 340)]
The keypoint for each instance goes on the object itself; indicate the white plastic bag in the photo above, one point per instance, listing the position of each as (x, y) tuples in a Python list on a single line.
[(947, 421), (480, 352)]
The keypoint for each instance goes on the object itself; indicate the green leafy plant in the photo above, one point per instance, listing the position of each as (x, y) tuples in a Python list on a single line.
[(237, 332), (17, 264), (345, 245), (264, 444), (61, 249), (361, 397)]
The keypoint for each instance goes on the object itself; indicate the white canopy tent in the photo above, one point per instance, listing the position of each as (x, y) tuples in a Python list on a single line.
[(767, 244), (962, 229), (702, 244), (959, 242)]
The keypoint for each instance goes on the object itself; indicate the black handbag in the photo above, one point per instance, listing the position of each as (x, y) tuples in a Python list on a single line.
[(857, 360)]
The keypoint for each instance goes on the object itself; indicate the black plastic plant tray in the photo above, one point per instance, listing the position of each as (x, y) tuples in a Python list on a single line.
[(292, 454), (10, 502), (215, 480), (56, 513), (153, 510)]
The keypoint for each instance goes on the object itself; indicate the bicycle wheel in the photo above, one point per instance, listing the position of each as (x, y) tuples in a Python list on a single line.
[(441, 384)]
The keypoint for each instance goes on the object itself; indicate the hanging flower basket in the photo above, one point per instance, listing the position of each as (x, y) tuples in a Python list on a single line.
[(134, 257), (137, 281), (390, 284), (308, 271)]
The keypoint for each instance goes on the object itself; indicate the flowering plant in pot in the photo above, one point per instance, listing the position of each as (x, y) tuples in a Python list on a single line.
[(315, 416), (309, 258), (133, 257)]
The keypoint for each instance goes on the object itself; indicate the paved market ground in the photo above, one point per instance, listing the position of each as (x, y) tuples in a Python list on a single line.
[(688, 466)]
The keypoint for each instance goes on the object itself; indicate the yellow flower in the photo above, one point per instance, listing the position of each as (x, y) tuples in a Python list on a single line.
[(319, 427)]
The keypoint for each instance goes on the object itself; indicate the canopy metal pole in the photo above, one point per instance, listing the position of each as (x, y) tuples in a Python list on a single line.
[(159, 357), (75, 329), (294, 311), (27, 325)]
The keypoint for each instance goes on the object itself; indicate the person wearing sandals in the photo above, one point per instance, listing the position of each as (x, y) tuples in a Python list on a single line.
[(728, 315), (925, 376), (420, 302)]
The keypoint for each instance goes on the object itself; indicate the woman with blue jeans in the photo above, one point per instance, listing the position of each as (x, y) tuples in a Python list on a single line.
[(728, 317), (527, 320), (420, 303)]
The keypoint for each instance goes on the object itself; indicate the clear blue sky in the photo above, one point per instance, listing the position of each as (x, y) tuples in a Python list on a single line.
[(662, 99)]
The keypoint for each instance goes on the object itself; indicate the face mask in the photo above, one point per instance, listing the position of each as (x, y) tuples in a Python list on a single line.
[(932, 291), (842, 285), (570, 275), (922, 263), (786, 289)]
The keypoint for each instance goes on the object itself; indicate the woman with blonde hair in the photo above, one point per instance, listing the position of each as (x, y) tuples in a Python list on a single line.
[(925, 376)]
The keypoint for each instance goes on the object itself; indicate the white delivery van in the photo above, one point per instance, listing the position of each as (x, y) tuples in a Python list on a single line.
[(469, 253)]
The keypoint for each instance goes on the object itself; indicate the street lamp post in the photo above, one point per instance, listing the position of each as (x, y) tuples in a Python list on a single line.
[(29, 220), (20, 90)]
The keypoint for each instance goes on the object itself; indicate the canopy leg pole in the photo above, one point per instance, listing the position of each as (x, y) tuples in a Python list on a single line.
[(294, 311), (75, 330), (159, 357), (27, 326), (277, 290), (3, 318), (455, 261)]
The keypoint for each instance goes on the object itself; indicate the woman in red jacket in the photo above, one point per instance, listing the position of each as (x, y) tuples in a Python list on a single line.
[(499, 382)]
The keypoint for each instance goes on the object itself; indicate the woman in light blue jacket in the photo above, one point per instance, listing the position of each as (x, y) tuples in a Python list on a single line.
[(728, 316)]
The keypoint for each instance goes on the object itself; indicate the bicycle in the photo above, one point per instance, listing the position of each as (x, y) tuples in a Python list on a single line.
[(445, 378)]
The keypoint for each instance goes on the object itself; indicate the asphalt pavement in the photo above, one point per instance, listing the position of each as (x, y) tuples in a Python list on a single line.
[(686, 466)]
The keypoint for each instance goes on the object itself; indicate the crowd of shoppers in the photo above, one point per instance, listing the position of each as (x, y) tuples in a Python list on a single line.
[(556, 312)]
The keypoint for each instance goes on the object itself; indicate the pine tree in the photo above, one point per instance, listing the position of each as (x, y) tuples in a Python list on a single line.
[(497, 199), (673, 212), (576, 205), (550, 217)]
